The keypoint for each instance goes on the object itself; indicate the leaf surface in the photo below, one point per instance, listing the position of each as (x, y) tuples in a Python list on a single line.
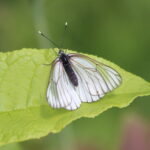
[(24, 111)]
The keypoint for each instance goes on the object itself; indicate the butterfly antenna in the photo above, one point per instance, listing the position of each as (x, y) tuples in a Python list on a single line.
[(62, 38), (42, 34)]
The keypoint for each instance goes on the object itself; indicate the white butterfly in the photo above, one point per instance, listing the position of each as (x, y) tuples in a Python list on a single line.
[(76, 78)]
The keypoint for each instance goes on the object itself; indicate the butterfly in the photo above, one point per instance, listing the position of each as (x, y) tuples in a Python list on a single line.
[(77, 78)]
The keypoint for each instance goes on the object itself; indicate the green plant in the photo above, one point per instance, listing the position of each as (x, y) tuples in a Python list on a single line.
[(24, 111)]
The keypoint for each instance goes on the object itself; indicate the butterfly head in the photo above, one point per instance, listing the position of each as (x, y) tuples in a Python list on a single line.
[(60, 52)]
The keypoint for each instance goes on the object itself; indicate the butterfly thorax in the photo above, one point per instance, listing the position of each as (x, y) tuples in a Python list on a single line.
[(65, 59)]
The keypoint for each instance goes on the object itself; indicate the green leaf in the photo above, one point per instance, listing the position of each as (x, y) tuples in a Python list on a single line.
[(24, 111)]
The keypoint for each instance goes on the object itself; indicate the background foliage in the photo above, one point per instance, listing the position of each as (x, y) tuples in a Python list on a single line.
[(116, 30)]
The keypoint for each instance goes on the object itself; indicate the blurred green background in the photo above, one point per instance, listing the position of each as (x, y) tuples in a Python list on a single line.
[(117, 30)]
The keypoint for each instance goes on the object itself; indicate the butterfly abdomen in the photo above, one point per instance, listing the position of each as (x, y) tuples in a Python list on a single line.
[(68, 68)]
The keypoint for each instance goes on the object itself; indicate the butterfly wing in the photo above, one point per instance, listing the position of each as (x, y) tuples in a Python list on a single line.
[(60, 92), (95, 79)]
